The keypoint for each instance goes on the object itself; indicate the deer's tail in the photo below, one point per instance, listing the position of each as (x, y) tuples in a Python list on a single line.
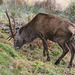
[(72, 28)]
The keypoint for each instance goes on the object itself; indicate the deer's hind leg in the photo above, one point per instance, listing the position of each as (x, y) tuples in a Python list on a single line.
[(63, 45), (72, 49)]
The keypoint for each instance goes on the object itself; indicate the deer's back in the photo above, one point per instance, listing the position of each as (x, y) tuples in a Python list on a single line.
[(50, 25)]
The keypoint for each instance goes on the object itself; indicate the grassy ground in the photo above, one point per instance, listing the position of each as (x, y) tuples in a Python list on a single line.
[(31, 62)]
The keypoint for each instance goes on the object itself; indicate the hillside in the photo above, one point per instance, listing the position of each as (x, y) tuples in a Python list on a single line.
[(31, 62)]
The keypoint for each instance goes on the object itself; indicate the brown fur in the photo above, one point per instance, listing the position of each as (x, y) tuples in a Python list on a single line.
[(50, 27)]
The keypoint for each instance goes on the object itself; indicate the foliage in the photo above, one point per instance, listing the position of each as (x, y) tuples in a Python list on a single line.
[(70, 12)]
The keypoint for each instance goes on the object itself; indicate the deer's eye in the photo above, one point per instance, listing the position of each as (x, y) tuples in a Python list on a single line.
[(17, 41)]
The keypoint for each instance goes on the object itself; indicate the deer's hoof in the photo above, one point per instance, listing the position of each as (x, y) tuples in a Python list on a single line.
[(44, 55), (57, 62), (69, 66), (48, 59)]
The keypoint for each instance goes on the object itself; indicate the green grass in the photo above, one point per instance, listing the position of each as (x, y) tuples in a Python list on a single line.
[(29, 62), (6, 58), (9, 50), (3, 36), (55, 52)]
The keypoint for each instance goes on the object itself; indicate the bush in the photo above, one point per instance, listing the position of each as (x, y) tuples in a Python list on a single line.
[(70, 12)]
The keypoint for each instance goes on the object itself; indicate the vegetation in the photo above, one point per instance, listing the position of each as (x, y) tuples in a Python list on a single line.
[(26, 61), (30, 62)]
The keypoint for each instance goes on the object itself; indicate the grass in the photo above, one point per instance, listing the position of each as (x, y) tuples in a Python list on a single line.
[(55, 52), (30, 62), (9, 50), (3, 36)]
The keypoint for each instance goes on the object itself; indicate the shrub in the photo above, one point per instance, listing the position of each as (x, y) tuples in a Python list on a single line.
[(70, 12)]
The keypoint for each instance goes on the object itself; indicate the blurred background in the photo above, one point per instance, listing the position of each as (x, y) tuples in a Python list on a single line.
[(22, 9)]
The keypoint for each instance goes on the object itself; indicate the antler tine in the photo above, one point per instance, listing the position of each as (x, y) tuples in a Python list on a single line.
[(14, 25), (8, 37), (12, 35)]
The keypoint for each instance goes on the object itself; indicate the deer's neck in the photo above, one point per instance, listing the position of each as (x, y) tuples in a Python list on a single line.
[(28, 34)]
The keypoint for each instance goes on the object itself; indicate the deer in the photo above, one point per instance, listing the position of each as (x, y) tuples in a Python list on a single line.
[(46, 27)]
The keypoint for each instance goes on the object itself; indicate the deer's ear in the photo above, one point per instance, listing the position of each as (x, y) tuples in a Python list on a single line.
[(72, 29), (20, 30)]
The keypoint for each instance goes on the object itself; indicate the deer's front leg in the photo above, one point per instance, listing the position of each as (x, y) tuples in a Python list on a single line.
[(44, 50), (45, 46), (44, 54)]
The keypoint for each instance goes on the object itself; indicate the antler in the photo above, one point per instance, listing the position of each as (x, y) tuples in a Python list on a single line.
[(14, 25), (12, 35)]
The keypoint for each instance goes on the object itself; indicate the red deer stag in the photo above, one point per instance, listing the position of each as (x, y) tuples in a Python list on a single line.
[(50, 27)]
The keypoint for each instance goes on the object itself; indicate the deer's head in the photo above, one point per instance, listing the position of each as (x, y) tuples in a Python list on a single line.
[(18, 40)]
